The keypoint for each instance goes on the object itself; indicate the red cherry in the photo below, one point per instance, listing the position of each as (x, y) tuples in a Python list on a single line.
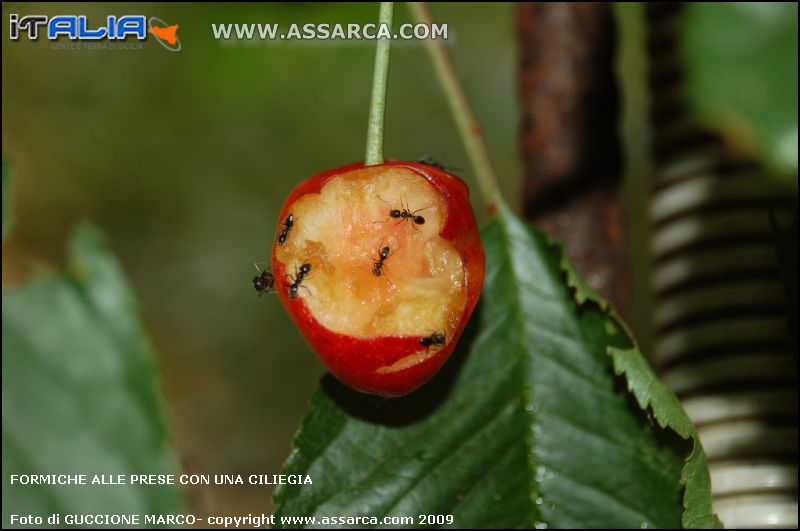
[(381, 320)]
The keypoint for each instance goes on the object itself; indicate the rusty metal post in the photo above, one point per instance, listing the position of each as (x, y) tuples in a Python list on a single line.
[(569, 137)]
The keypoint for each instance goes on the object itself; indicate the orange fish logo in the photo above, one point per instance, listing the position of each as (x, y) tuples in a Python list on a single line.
[(165, 34)]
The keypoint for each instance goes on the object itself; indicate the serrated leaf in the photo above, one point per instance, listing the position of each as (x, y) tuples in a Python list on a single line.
[(79, 391), (531, 427), (651, 394)]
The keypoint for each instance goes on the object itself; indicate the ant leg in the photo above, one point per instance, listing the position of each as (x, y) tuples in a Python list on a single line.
[(374, 264), (385, 273), (387, 202), (421, 209), (408, 208), (307, 291)]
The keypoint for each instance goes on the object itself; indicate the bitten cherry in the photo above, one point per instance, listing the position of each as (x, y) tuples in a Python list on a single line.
[(370, 333)]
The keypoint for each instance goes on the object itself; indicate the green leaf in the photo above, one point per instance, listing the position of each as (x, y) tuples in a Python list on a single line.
[(79, 391), (552, 418), (741, 60)]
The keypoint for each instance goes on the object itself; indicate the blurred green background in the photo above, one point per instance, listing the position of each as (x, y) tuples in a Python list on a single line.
[(184, 159)]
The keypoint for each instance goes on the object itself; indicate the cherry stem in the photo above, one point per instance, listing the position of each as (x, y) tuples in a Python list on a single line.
[(377, 105), (468, 128)]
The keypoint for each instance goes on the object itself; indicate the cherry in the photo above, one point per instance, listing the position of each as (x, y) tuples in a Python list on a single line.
[(373, 334)]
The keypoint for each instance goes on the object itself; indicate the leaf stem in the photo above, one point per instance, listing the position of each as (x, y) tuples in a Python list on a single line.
[(377, 104), (468, 128)]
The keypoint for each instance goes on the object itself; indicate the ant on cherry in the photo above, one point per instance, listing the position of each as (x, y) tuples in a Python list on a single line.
[(286, 226), (264, 282), (298, 277), (435, 339), (378, 264), (430, 161), (404, 213)]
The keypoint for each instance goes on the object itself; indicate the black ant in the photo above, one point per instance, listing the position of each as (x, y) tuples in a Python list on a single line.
[(434, 339), (430, 161), (384, 254), (305, 269), (286, 226), (404, 213), (264, 282)]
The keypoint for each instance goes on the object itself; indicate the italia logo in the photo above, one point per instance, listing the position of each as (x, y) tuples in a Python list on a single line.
[(77, 28)]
